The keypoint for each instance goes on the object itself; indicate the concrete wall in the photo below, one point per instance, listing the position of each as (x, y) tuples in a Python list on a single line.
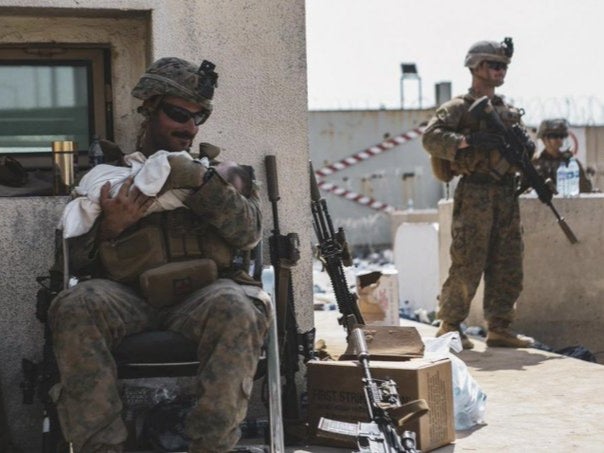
[(259, 50), (27, 237), (394, 177), (561, 303)]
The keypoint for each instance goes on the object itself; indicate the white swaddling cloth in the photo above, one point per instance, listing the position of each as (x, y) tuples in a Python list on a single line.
[(150, 175)]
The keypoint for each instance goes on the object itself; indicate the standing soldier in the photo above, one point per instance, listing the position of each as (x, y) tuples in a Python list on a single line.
[(553, 133), (485, 227)]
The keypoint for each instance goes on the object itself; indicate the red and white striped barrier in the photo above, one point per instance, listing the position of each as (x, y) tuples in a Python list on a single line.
[(370, 152), (356, 197)]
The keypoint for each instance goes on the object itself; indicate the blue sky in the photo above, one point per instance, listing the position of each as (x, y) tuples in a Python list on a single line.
[(355, 48)]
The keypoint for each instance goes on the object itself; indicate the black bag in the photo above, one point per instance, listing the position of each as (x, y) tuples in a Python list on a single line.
[(164, 426), (578, 352), (12, 172)]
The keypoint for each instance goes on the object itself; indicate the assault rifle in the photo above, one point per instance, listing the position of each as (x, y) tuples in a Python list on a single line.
[(333, 253), (284, 254), (514, 148), (385, 411), (43, 375)]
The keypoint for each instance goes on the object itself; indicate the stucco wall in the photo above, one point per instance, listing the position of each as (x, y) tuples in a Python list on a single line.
[(259, 108)]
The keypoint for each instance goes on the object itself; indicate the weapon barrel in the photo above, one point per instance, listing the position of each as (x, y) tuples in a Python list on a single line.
[(322, 224), (272, 182), (358, 337), (567, 231), (315, 195)]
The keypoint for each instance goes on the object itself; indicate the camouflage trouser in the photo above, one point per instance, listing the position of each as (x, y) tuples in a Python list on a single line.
[(486, 238), (229, 321)]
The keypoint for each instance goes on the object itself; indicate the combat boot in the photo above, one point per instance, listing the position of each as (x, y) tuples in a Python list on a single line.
[(446, 327), (504, 337)]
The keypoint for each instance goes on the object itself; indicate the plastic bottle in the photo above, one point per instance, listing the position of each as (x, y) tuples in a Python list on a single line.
[(406, 311), (95, 152), (573, 177), (562, 180)]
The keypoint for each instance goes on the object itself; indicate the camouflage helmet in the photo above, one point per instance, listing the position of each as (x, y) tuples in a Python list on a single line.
[(491, 51), (552, 126), (173, 76)]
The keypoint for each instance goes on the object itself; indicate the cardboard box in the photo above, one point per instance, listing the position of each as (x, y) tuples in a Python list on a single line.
[(335, 391), (378, 297)]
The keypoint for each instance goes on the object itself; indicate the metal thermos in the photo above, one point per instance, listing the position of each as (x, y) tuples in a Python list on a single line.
[(63, 166)]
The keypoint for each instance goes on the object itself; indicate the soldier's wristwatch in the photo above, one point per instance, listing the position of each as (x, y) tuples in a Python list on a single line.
[(210, 172)]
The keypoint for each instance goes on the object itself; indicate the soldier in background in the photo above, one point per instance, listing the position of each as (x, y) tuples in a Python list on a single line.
[(486, 231), (228, 317), (553, 133)]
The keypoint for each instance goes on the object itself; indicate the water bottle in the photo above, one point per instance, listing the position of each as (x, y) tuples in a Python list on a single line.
[(95, 152), (562, 180), (573, 177)]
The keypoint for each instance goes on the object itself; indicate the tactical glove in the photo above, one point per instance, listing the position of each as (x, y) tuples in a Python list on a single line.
[(185, 173), (208, 150), (484, 141)]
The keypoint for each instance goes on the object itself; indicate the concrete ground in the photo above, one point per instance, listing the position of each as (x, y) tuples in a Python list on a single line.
[(536, 401)]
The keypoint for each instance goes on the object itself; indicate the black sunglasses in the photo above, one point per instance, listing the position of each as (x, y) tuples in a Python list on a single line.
[(496, 65), (181, 115), (556, 135)]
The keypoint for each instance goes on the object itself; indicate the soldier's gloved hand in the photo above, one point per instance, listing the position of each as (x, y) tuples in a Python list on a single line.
[(484, 140), (185, 173)]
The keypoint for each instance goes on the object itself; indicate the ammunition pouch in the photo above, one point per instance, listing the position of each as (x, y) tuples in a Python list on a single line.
[(470, 160), (126, 258), (467, 160), (166, 267), (170, 283), (441, 168)]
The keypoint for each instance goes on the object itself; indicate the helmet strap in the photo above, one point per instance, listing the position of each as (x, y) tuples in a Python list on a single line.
[(147, 109)]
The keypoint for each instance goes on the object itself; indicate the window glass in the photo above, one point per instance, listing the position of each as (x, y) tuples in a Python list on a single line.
[(41, 103)]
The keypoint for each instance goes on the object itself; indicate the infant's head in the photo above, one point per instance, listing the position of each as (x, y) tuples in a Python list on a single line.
[(238, 175)]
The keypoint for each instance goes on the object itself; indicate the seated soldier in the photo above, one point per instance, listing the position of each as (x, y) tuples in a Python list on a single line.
[(553, 133), (228, 317)]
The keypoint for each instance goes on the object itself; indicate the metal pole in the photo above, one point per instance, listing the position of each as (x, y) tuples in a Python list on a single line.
[(274, 386)]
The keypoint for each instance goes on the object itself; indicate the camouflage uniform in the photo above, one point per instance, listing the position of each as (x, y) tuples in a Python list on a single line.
[(228, 319), (547, 165), (486, 231)]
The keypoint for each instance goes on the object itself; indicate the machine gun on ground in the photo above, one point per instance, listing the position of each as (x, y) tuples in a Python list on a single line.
[(386, 413), (514, 149), (333, 251)]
